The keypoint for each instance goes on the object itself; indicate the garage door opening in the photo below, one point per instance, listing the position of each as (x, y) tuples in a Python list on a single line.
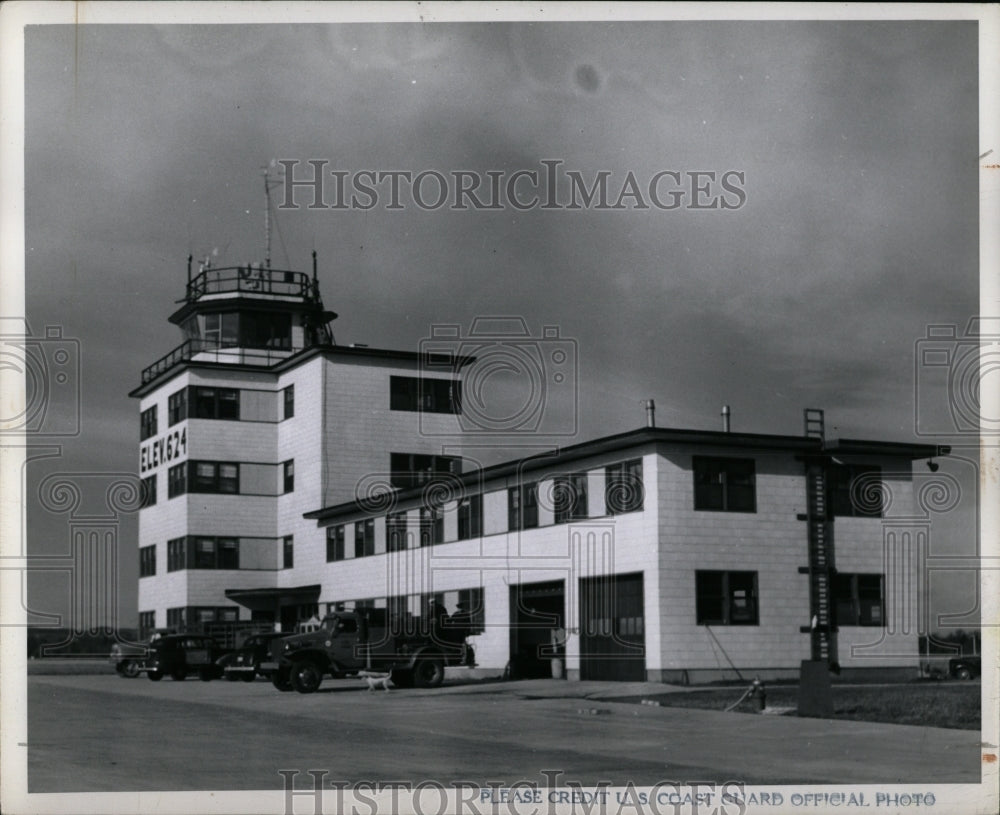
[(537, 629), (612, 628)]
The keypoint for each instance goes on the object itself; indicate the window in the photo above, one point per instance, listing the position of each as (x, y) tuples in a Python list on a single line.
[(569, 494), (288, 552), (431, 525), (858, 599), (522, 506), (176, 618), (147, 561), (147, 423), (214, 476), (147, 622), (222, 330), (415, 469), (425, 395), (856, 491), (724, 484), (470, 517), (288, 399), (177, 407), (623, 487), (215, 403), (726, 598), (364, 538), (335, 543), (471, 607), (288, 476), (215, 553), (395, 532), (177, 480), (227, 553), (176, 554), (148, 496)]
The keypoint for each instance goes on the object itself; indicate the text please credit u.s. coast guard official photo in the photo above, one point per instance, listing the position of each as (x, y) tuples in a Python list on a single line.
[(509, 409)]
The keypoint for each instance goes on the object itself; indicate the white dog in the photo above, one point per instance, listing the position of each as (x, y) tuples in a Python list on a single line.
[(376, 681)]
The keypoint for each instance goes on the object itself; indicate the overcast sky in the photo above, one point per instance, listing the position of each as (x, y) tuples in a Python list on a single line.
[(857, 143)]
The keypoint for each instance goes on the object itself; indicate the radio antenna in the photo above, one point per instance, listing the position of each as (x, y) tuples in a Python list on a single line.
[(268, 184)]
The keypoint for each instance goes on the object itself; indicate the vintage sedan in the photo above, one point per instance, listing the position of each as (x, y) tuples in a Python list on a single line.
[(244, 662), (180, 655)]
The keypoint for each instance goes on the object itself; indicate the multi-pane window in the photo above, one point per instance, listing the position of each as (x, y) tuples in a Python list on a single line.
[(176, 554), (395, 532), (431, 525), (858, 599), (288, 400), (726, 598), (222, 330), (176, 618), (471, 609), (148, 494), (147, 622), (425, 395), (364, 538), (177, 480), (147, 561), (724, 484), (213, 476), (214, 403), (470, 517), (414, 469), (288, 476), (147, 423), (623, 487), (215, 553), (287, 552), (177, 406), (856, 490), (335, 543), (569, 494), (522, 506)]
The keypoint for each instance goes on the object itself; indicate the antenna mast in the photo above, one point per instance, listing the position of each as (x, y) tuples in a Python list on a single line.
[(268, 183)]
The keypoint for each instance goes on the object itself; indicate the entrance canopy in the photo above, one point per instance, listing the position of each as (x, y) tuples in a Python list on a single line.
[(272, 599)]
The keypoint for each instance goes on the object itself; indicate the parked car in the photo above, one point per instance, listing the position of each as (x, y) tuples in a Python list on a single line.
[(244, 662), (179, 655), (965, 667), (128, 657)]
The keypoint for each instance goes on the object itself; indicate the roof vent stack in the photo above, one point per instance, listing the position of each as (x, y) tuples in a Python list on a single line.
[(650, 413), (725, 418)]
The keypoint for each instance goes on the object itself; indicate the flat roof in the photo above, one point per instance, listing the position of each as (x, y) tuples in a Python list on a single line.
[(804, 445)]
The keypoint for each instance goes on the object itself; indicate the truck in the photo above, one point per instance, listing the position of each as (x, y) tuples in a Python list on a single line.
[(412, 650)]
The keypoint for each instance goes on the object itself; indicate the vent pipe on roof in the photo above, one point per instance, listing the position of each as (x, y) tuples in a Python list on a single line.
[(650, 413), (725, 418)]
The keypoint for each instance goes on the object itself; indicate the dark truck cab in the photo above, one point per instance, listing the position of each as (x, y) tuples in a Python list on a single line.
[(349, 642)]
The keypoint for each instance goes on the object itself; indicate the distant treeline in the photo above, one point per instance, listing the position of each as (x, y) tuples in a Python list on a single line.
[(62, 642), (957, 643)]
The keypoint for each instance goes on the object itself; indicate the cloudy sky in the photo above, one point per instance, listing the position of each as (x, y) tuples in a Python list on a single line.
[(857, 142)]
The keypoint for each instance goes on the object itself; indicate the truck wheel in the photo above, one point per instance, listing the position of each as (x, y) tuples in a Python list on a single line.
[(130, 669), (428, 673), (305, 677), (401, 678), (280, 681), (156, 676), (963, 673)]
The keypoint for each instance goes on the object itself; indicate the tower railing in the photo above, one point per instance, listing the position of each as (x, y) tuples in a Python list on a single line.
[(216, 351), (252, 279)]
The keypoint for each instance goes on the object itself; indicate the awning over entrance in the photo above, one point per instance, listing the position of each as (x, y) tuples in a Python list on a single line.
[(270, 599)]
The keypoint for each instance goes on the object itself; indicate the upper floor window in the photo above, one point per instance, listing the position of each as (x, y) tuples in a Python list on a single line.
[(364, 538), (569, 493), (214, 403), (335, 543), (147, 622), (288, 475), (623, 487), (858, 599), (395, 532), (148, 496), (147, 561), (147, 423), (177, 407), (431, 525), (222, 330), (856, 490), (726, 598), (522, 506), (288, 552), (425, 395), (725, 484), (288, 400), (415, 469), (215, 553), (176, 554), (470, 517), (177, 480)]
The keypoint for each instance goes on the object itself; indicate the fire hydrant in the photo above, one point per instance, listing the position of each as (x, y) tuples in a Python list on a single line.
[(758, 693)]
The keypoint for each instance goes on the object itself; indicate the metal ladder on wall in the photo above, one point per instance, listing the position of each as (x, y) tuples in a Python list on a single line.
[(820, 538)]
